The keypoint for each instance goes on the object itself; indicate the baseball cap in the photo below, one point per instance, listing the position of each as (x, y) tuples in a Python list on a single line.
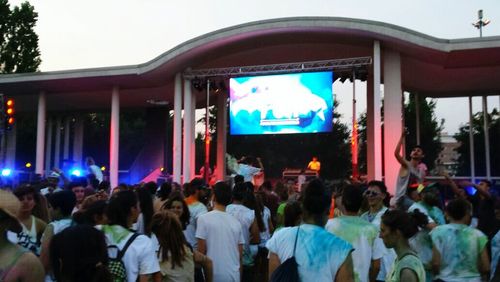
[(424, 188), (54, 175), (10, 205)]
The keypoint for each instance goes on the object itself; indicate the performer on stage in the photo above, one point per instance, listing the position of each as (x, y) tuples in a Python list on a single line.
[(250, 167), (314, 165)]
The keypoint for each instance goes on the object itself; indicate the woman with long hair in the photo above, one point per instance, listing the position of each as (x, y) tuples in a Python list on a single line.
[(177, 260), (176, 204), (143, 224), (79, 253), (396, 228)]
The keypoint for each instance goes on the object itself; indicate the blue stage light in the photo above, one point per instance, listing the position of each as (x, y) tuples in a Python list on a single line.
[(76, 172), (6, 172)]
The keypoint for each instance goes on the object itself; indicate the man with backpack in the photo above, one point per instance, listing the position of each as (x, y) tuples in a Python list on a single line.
[(131, 256)]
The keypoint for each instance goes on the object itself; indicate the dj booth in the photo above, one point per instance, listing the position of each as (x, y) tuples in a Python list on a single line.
[(293, 174)]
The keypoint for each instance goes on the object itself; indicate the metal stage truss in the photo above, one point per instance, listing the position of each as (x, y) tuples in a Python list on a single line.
[(339, 65)]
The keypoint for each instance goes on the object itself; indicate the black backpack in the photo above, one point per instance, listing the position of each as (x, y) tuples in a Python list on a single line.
[(116, 265), (288, 270)]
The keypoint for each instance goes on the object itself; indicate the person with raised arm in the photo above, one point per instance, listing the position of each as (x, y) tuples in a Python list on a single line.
[(411, 173)]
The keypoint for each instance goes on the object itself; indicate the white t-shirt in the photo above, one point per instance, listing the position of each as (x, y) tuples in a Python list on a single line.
[(45, 191), (319, 254), (265, 235), (140, 257), (434, 214), (95, 170), (460, 247), (223, 235), (389, 254), (245, 216), (363, 237), (248, 172), (495, 253), (195, 210)]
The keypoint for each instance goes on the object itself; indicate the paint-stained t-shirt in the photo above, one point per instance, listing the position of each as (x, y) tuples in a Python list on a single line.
[(409, 261), (319, 254), (362, 235), (459, 246), (434, 214)]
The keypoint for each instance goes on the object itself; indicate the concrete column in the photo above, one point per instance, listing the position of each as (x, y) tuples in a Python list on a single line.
[(114, 140), (177, 139), (392, 116), (486, 137), (221, 135), (48, 149), (10, 148), (78, 142), (188, 138), (67, 132), (57, 148), (40, 133), (374, 135)]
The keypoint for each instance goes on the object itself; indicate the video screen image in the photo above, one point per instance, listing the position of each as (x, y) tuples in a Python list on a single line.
[(281, 104)]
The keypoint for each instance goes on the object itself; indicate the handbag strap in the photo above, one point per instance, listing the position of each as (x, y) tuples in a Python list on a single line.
[(296, 237)]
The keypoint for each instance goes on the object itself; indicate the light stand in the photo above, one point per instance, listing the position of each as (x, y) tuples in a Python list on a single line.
[(206, 171)]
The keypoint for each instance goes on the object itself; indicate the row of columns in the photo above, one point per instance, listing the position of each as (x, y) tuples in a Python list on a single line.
[(394, 120), (183, 135), (183, 149), (43, 162)]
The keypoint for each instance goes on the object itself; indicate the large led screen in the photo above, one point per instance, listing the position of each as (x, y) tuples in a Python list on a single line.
[(281, 104)]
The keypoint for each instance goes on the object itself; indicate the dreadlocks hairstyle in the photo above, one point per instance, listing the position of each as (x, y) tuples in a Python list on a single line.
[(167, 228)]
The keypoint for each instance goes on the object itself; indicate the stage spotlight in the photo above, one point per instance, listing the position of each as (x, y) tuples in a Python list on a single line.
[(103, 168), (28, 165), (198, 84), (76, 172), (6, 172)]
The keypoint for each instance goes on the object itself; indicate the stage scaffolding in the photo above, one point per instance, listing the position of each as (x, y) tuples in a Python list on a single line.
[(338, 65)]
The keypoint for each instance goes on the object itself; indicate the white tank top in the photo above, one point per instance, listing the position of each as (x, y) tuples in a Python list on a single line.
[(32, 232)]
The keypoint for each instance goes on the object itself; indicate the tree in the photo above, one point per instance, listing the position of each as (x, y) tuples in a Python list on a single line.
[(430, 130), (19, 52), (479, 149)]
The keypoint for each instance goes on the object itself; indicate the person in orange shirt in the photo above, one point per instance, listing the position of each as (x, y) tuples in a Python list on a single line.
[(314, 165)]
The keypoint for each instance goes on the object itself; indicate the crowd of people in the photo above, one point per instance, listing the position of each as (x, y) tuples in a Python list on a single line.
[(236, 231)]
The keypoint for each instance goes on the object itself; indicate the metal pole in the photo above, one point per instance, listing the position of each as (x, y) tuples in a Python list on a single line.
[(471, 143), (206, 173), (417, 117), (354, 144), (486, 137)]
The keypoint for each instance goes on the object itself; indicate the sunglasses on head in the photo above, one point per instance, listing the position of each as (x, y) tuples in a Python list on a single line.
[(369, 193)]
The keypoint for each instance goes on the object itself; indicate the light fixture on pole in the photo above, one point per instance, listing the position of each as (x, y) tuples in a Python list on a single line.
[(480, 23)]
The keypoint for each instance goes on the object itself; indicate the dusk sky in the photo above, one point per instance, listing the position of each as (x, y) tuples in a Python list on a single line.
[(91, 33)]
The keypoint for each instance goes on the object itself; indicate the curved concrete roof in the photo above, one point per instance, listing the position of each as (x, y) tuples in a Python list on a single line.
[(431, 66)]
